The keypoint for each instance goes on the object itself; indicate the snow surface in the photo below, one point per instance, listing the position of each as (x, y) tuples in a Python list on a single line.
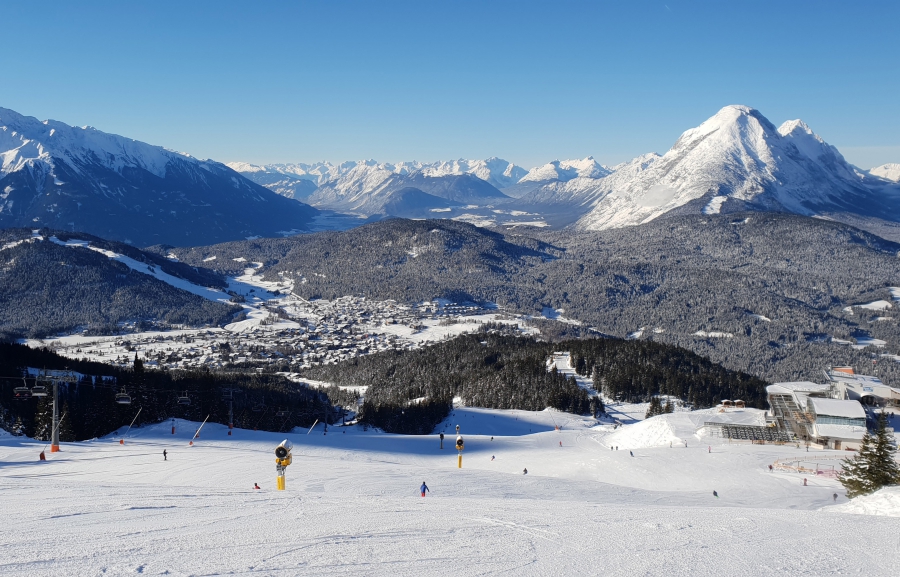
[(883, 502), (352, 506)]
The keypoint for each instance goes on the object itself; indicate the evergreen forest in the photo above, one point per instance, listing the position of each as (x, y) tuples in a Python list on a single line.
[(412, 391), (260, 401)]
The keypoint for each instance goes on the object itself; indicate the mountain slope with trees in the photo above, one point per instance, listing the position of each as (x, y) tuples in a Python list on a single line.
[(411, 391)]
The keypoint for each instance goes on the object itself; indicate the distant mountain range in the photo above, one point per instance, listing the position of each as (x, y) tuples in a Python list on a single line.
[(71, 178), (735, 161), (81, 179)]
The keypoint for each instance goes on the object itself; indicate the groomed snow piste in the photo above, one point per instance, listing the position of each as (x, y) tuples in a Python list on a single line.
[(352, 504)]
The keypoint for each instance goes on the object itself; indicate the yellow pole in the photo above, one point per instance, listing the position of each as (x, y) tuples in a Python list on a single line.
[(281, 483), (459, 462)]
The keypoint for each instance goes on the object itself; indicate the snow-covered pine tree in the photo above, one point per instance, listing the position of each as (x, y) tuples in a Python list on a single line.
[(18, 428), (884, 469), (43, 419), (66, 432), (655, 408)]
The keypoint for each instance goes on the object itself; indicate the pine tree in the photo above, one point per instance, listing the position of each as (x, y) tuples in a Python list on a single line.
[(66, 432), (884, 469), (873, 466), (655, 408), (43, 419), (18, 429), (669, 408)]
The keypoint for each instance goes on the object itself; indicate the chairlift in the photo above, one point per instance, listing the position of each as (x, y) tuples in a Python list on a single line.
[(226, 395), (281, 413), (21, 393), (39, 391), (123, 398), (184, 399), (258, 408)]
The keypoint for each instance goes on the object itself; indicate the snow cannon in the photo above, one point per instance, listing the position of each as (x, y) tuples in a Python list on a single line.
[(283, 458), (460, 445)]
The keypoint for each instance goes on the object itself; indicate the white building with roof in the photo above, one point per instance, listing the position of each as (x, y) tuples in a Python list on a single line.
[(817, 413), (837, 424), (866, 389)]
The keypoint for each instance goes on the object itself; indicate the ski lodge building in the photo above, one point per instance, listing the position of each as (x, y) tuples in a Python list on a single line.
[(816, 413), (869, 391)]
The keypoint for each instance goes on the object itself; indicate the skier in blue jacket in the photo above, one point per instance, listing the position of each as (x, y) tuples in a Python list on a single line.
[(424, 488)]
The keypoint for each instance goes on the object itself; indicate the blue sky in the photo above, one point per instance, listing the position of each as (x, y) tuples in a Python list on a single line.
[(526, 81)]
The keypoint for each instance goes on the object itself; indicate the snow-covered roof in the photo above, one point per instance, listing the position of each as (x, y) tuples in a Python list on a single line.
[(840, 431), (837, 408), (864, 380), (797, 387)]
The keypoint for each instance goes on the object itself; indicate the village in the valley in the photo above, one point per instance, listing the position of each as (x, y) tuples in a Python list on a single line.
[(289, 333)]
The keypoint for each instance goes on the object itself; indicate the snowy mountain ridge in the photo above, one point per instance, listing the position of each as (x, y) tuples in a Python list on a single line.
[(500, 173), (890, 171), (71, 178), (29, 142), (738, 160)]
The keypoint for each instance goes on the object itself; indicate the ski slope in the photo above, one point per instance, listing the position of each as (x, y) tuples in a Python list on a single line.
[(352, 506)]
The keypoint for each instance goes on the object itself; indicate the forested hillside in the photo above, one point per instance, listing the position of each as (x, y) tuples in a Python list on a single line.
[(412, 391), (758, 292), (47, 288), (91, 409)]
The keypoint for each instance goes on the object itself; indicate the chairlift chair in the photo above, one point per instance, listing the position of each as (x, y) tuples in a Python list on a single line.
[(123, 398), (21, 393), (39, 391), (258, 408), (184, 399), (281, 413)]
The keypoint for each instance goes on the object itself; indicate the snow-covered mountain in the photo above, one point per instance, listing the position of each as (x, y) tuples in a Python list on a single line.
[(369, 191), (890, 171), (738, 160), (65, 177), (370, 188), (495, 171), (555, 173)]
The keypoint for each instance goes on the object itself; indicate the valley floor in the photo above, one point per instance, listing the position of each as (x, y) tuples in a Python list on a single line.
[(352, 504)]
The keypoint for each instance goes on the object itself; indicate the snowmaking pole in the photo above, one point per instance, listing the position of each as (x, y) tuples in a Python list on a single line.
[(54, 435), (460, 444), (197, 434), (313, 427), (122, 440)]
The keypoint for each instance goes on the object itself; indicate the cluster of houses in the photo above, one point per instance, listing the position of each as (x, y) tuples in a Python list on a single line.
[(287, 334), (835, 414)]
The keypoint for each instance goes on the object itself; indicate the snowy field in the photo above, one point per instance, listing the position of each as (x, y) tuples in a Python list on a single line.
[(352, 506)]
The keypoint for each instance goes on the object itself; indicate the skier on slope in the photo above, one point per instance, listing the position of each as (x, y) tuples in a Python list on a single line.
[(525, 471), (715, 494), (165, 457), (424, 488), (256, 485), (630, 453)]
